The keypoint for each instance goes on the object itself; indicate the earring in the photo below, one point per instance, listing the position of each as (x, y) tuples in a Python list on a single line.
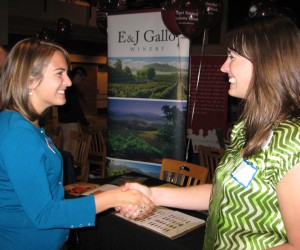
[(30, 93)]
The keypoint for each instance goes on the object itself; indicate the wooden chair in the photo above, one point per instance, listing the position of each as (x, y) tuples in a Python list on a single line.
[(97, 153), (210, 158), (182, 173), (79, 148), (55, 133), (98, 149)]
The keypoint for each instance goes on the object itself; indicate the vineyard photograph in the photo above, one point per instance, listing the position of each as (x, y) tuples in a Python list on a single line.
[(146, 130), (149, 77)]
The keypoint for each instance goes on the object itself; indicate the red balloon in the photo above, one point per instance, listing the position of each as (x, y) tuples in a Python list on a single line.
[(168, 14), (213, 9), (190, 18)]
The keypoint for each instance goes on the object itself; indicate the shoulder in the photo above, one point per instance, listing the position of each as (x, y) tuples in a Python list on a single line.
[(14, 125), (283, 153), (288, 133), (12, 119), (289, 124)]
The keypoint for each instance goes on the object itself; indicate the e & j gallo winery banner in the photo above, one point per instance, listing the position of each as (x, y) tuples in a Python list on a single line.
[(147, 93)]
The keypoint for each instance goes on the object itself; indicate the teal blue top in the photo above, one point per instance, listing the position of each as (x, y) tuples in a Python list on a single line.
[(33, 211)]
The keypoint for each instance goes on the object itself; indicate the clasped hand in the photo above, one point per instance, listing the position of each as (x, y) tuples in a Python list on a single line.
[(142, 207)]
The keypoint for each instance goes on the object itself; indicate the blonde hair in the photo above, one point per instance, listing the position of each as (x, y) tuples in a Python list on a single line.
[(25, 63), (272, 44)]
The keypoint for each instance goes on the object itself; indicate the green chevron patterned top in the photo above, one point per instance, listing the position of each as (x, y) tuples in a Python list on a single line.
[(244, 212)]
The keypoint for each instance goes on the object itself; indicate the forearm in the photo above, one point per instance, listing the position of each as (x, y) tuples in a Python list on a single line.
[(105, 200), (118, 198), (193, 198)]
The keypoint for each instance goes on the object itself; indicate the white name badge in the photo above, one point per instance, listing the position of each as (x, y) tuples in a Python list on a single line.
[(244, 173), (50, 145)]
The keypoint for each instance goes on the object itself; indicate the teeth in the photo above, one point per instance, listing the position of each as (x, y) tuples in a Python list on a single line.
[(61, 91), (232, 80)]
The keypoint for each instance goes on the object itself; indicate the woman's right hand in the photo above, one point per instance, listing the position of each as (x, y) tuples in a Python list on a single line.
[(130, 202), (134, 203), (141, 211)]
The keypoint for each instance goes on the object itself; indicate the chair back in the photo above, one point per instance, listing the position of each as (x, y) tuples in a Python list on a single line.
[(210, 158), (56, 135), (182, 173), (97, 153), (98, 149), (80, 146)]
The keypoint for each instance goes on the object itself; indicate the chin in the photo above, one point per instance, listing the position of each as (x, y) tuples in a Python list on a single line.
[(60, 103), (231, 93), (235, 95)]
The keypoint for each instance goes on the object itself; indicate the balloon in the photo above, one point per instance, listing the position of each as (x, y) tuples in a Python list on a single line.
[(213, 9), (46, 34), (168, 14), (259, 8), (63, 28), (273, 7), (190, 18)]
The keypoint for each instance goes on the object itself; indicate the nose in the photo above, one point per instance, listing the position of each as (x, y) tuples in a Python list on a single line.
[(68, 81), (225, 67)]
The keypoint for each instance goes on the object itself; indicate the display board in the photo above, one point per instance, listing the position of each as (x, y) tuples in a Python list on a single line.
[(147, 93)]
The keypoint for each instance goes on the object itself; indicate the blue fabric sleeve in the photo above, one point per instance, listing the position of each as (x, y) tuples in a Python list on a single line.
[(36, 181)]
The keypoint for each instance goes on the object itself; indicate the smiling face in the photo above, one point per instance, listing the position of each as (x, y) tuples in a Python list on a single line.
[(51, 90), (240, 71)]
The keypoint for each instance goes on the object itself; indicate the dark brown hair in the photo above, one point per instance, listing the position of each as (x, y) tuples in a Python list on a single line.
[(272, 44)]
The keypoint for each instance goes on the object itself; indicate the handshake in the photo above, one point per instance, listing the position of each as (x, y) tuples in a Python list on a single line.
[(136, 201)]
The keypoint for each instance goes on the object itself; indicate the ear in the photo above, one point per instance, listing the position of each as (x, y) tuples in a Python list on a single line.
[(32, 83)]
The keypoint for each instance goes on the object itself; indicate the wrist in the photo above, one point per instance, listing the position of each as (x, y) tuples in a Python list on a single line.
[(154, 195), (105, 200)]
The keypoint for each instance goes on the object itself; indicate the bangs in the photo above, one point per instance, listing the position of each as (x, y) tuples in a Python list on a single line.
[(238, 42)]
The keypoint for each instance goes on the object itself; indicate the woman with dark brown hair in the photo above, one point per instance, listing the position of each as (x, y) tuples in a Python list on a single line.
[(254, 199)]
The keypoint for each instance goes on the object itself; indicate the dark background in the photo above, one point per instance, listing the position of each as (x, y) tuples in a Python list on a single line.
[(237, 11)]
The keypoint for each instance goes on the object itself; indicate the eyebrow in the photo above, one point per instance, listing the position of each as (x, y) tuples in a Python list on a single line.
[(59, 69)]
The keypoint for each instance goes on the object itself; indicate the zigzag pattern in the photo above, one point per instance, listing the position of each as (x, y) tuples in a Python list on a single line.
[(249, 218)]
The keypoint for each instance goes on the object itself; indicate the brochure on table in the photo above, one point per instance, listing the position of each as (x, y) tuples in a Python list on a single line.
[(168, 222)]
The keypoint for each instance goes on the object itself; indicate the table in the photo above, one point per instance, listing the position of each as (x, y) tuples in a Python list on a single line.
[(114, 233)]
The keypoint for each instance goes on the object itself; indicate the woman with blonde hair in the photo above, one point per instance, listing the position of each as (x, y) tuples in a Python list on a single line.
[(33, 211)]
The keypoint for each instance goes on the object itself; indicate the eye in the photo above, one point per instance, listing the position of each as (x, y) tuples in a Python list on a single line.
[(59, 72), (232, 54)]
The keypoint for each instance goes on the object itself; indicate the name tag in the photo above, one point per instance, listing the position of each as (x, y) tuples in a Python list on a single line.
[(50, 145), (244, 173)]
